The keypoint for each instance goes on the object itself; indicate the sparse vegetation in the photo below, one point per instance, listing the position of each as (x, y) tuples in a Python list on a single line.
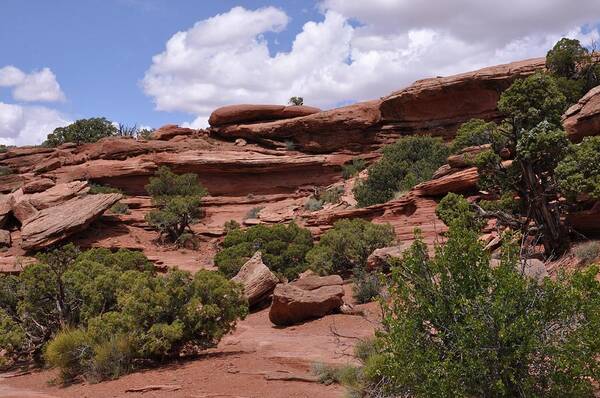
[(455, 208), (348, 245), (404, 164), (5, 171), (283, 249), (367, 285), (588, 252), (3, 148), (98, 188), (81, 131), (353, 168), (296, 101), (231, 225), (120, 208), (313, 204), (253, 213), (178, 198), (331, 195), (477, 132)]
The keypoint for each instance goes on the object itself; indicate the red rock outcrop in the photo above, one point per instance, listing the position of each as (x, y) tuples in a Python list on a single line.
[(293, 304), (169, 131), (439, 105), (257, 279), (341, 128), (53, 224), (247, 113), (583, 118)]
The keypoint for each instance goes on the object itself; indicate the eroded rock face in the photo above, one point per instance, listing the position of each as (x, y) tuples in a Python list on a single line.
[(247, 113), (341, 128), (53, 224), (292, 304), (38, 185), (257, 279), (439, 105), (583, 118), (5, 240)]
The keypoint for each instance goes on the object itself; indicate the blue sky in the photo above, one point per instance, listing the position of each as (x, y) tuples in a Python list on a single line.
[(99, 53)]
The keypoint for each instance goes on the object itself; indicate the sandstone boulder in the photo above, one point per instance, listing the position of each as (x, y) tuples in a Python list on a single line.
[(583, 118), (257, 279), (38, 185), (53, 224), (23, 210), (247, 113), (292, 304), (169, 131), (459, 181), (58, 194), (466, 156)]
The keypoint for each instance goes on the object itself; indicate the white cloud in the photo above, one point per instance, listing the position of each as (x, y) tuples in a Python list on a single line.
[(24, 125), (225, 59), (35, 86)]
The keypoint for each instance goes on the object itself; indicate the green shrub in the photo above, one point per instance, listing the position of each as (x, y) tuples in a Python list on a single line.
[(178, 198), (404, 164), (454, 326), (331, 195), (188, 241), (283, 249), (3, 148), (81, 131), (454, 208), (100, 314), (367, 286), (120, 208), (296, 101), (348, 245), (145, 134), (5, 170), (532, 100), (353, 168), (588, 252), (98, 189), (230, 226), (579, 171), (253, 213), (313, 204), (477, 132)]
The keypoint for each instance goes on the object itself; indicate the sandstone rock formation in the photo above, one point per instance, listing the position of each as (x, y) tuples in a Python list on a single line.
[(583, 118), (169, 131), (439, 105), (53, 224), (257, 279), (341, 128), (38, 185), (293, 304), (380, 258), (247, 113)]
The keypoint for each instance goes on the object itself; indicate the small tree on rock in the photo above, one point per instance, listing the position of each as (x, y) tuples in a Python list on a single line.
[(178, 198), (296, 101), (82, 131)]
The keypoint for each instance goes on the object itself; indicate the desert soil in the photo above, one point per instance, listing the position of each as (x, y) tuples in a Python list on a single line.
[(242, 366)]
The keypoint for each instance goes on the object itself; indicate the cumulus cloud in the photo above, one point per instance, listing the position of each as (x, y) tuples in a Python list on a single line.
[(24, 125), (31, 87), (360, 50)]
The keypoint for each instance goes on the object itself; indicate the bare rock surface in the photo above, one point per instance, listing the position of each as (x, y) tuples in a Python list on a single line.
[(169, 131), (439, 105), (257, 279), (53, 224), (583, 118), (380, 257), (38, 185), (248, 113), (302, 300)]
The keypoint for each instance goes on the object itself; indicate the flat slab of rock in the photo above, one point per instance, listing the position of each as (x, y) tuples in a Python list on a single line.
[(38, 185), (257, 279), (293, 305), (312, 282), (248, 113), (54, 224)]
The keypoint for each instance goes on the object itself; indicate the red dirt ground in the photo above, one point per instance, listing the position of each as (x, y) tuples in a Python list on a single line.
[(235, 369)]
